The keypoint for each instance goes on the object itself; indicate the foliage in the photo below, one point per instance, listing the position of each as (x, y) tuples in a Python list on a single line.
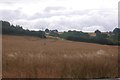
[(101, 38), (111, 38), (54, 34), (47, 30), (75, 36), (116, 34), (18, 30)]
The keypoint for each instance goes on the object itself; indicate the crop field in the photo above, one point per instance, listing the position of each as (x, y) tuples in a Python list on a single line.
[(33, 57)]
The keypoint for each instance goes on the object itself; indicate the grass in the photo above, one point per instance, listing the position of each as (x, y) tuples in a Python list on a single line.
[(32, 57)]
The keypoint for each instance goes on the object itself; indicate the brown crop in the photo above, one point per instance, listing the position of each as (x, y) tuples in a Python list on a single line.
[(32, 57)]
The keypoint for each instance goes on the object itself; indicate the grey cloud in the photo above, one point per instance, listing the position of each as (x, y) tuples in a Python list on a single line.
[(18, 1), (48, 9), (86, 20), (93, 28), (12, 15), (8, 2), (48, 15), (71, 13), (101, 18), (40, 15)]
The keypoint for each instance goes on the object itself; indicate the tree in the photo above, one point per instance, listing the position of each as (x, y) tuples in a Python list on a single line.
[(98, 32), (18, 30), (47, 30), (54, 31), (116, 34), (116, 31)]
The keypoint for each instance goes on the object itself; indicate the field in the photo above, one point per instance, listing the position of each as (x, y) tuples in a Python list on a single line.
[(32, 57)]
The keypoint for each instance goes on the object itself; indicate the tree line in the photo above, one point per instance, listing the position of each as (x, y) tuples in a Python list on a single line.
[(9, 29), (109, 38)]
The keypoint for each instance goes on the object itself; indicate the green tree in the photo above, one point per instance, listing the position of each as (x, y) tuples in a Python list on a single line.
[(47, 30)]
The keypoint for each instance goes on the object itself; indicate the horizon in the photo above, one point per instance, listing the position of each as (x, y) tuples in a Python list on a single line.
[(62, 15), (43, 29)]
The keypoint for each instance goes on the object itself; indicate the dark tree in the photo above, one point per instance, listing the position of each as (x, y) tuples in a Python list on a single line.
[(116, 31), (116, 34), (47, 30), (18, 30), (98, 32), (54, 31)]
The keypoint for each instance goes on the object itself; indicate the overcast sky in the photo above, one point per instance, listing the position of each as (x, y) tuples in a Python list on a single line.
[(82, 15)]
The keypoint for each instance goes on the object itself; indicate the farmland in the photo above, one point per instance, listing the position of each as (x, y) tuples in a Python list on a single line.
[(33, 57)]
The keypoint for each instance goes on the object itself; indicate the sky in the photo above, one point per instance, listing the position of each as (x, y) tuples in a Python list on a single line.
[(64, 15)]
